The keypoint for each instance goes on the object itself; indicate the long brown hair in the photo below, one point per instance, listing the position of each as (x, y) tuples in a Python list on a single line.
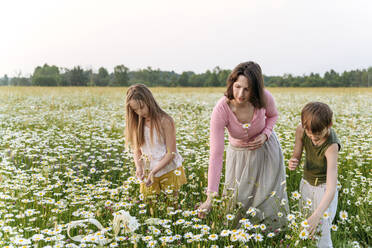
[(252, 71), (134, 129)]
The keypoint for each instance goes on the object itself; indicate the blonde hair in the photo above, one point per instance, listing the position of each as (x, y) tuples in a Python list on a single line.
[(134, 129)]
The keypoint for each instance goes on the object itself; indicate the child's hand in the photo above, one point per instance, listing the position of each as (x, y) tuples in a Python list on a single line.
[(139, 173), (150, 179), (293, 163), (313, 222)]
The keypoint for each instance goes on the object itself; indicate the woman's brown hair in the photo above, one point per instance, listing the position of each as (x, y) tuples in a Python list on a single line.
[(134, 129), (252, 71)]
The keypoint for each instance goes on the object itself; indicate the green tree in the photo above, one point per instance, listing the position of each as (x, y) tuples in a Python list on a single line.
[(78, 77), (102, 78), (183, 80), (4, 80), (46, 76), (121, 76)]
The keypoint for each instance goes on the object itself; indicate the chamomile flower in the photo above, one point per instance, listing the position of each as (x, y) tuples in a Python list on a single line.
[(290, 217), (270, 235), (246, 125), (304, 234), (230, 217), (304, 224), (213, 237), (296, 195), (258, 237), (225, 233), (343, 215), (325, 215)]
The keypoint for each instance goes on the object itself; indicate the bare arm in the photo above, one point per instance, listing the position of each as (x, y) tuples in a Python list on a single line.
[(139, 163), (331, 155), (297, 150)]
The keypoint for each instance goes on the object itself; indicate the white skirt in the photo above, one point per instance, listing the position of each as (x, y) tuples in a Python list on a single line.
[(257, 179)]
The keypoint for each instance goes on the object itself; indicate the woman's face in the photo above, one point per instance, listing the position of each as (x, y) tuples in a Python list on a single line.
[(139, 108), (241, 89)]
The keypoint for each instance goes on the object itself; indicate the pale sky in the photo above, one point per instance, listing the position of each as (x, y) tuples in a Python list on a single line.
[(283, 36)]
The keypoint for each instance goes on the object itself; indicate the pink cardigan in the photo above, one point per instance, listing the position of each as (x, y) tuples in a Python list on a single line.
[(263, 121)]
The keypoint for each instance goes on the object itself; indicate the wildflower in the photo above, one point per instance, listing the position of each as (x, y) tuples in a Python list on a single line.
[(147, 238), (188, 235), (251, 211), (168, 191), (152, 243), (180, 221), (304, 234), (343, 215), (325, 215), (108, 203), (304, 224), (230, 217), (213, 237), (296, 195), (263, 227), (248, 225), (225, 233), (177, 172), (246, 125), (334, 228), (258, 237), (233, 237), (290, 217), (37, 237), (270, 235)]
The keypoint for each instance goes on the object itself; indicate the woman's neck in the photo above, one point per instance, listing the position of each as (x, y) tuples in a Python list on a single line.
[(240, 105)]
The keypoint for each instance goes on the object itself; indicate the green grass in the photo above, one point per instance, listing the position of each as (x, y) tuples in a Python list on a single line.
[(62, 158)]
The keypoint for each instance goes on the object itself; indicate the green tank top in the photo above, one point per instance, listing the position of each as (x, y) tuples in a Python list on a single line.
[(315, 169)]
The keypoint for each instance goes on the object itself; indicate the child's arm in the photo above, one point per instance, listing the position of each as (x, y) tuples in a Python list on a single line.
[(297, 150), (331, 155), (169, 131), (139, 163)]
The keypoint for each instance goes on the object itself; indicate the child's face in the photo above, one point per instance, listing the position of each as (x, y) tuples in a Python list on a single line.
[(139, 108), (317, 137)]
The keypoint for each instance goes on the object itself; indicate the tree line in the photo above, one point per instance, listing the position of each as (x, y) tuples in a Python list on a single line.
[(51, 75)]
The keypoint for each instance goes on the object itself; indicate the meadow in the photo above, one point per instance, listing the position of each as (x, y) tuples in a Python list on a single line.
[(63, 159)]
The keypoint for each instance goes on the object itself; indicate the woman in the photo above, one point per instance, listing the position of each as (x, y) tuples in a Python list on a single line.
[(254, 161)]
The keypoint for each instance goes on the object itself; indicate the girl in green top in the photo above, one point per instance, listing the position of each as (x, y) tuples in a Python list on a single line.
[(319, 183)]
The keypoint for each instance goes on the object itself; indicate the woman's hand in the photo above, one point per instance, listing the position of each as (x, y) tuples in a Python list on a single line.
[(150, 179), (257, 142), (139, 173), (204, 208)]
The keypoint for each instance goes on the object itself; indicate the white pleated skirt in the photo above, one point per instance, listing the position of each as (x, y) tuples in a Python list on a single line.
[(257, 179)]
